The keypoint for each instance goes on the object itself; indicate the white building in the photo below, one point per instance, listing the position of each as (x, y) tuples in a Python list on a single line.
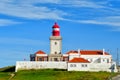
[(74, 60), (90, 60)]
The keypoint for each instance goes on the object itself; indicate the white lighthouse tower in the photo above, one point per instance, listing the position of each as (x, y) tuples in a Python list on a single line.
[(55, 44)]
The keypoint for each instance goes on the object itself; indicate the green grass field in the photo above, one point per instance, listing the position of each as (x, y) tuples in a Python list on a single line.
[(5, 72), (54, 74), (4, 76), (60, 75)]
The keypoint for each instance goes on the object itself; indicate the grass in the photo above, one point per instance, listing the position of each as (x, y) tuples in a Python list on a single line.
[(52, 74), (4, 76), (6, 71)]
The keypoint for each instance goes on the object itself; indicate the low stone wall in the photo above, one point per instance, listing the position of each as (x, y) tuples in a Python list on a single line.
[(103, 67), (100, 67), (24, 65), (93, 67)]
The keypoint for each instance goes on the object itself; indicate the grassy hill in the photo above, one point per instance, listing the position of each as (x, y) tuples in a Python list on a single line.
[(52, 74), (6, 71), (60, 75)]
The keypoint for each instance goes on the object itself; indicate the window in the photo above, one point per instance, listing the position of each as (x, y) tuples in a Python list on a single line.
[(55, 59), (84, 65), (99, 60), (72, 65), (55, 43), (55, 52), (40, 59), (103, 60), (107, 60)]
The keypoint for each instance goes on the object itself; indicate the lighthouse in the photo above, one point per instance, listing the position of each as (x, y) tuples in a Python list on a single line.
[(55, 44)]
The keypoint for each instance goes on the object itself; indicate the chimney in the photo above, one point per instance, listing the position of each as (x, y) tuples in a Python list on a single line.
[(79, 52), (103, 51)]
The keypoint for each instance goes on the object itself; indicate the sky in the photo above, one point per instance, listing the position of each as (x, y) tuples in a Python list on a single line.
[(26, 25)]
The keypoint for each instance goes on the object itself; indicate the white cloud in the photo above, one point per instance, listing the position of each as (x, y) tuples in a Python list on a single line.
[(81, 3), (111, 21), (5, 22), (27, 9), (38, 1), (101, 22)]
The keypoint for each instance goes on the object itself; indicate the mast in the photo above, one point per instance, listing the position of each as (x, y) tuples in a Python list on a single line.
[(117, 57)]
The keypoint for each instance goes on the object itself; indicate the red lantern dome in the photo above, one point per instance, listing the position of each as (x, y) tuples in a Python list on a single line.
[(56, 30)]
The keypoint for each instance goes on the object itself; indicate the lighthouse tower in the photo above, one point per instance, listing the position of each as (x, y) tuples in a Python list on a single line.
[(55, 44)]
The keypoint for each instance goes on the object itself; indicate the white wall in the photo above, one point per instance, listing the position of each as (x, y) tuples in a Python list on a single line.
[(91, 67), (96, 56), (71, 56), (78, 67), (100, 67), (41, 55), (21, 65), (92, 58)]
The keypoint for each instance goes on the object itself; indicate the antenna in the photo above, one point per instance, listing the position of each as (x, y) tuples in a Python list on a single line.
[(117, 57)]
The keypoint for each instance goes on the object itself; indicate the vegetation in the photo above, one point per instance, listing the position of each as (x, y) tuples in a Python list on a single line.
[(52, 74), (5, 72), (60, 75), (8, 69)]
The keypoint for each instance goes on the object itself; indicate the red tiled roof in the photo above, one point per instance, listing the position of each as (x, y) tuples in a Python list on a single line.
[(88, 52), (40, 52), (80, 60), (73, 52)]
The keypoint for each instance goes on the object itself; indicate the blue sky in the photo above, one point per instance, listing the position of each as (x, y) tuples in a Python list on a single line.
[(26, 25)]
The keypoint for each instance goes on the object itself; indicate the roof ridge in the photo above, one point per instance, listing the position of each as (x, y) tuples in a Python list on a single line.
[(80, 59), (88, 52), (40, 52)]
